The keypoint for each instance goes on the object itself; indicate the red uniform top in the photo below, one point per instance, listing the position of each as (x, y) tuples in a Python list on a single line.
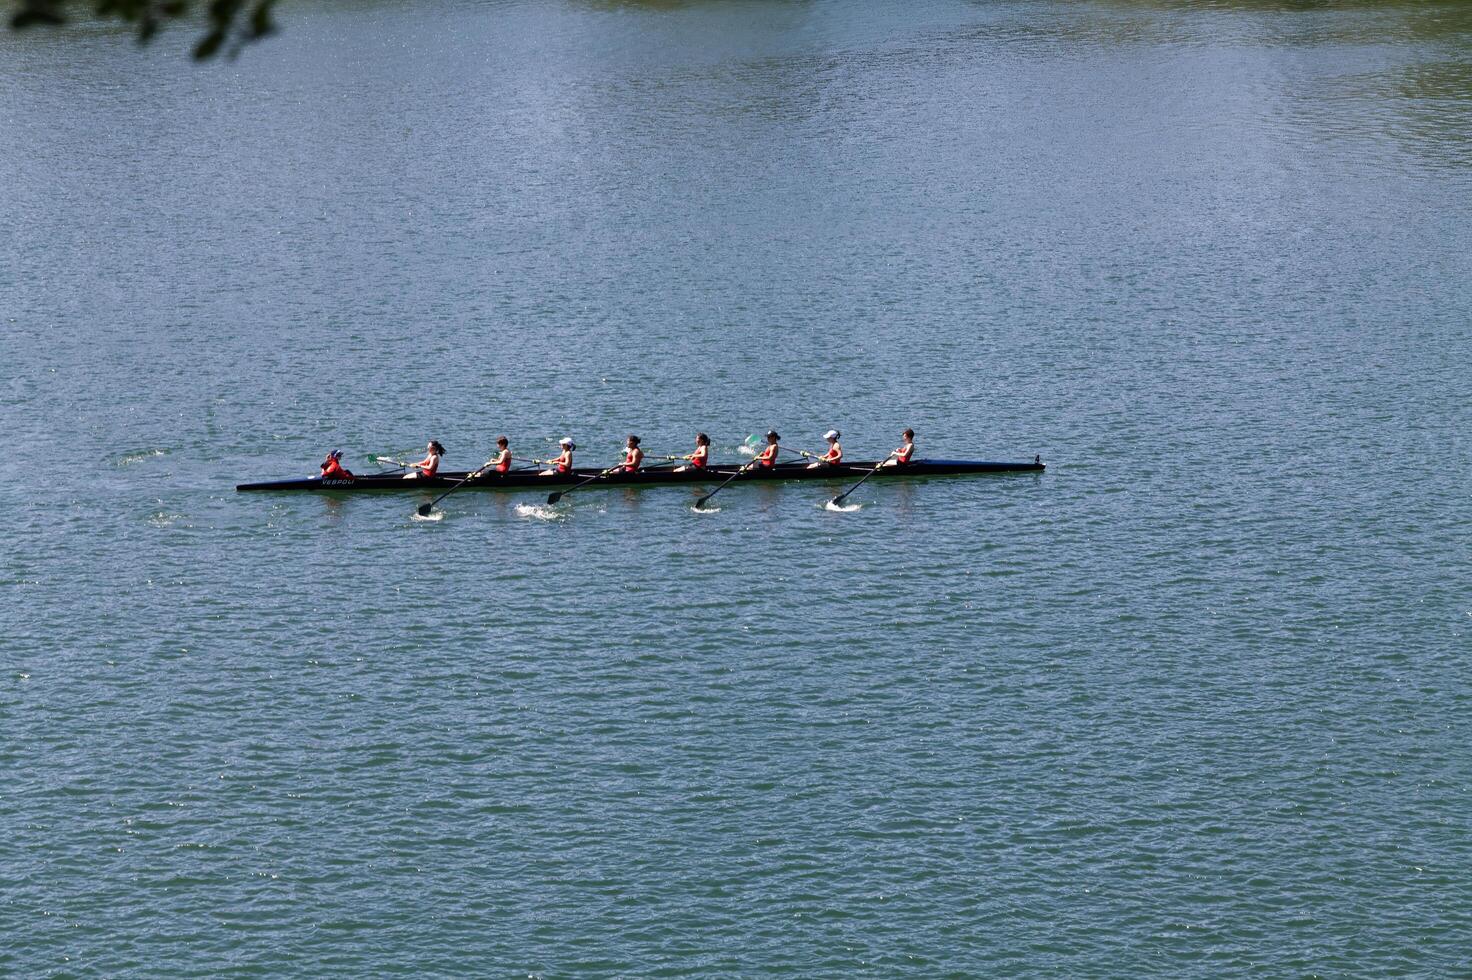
[(632, 459), (768, 456), (504, 463), (699, 458), (563, 462), (904, 453), (833, 456), (332, 470)]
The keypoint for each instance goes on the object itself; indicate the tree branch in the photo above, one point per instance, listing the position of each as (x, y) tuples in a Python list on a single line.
[(229, 24)]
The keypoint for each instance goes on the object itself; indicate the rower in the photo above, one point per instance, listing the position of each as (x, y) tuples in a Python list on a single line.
[(833, 456), (906, 452), (633, 455), (767, 458), (501, 462), (562, 465), (429, 465), (700, 458), (332, 468)]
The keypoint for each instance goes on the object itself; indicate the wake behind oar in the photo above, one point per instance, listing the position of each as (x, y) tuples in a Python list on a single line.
[(838, 500), (424, 510), (700, 504)]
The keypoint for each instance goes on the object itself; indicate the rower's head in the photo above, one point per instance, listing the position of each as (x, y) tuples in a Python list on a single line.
[(772, 436), (701, 439), (436, 448), (502, 441), (566, 444), (909, 435), (831, 435), (633, 442)]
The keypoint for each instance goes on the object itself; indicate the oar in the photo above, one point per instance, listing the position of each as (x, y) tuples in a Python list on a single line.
[(877, 467), (527, 459), (424, 509), (701, 502), (552, 498), (667, 461)]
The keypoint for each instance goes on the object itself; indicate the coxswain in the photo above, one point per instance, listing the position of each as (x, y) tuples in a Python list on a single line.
[(833, 456), (700, 458), (633, 455), (562, 465), (501, 462), (906, 452), (767, 458), (332, 468), (430, 464)]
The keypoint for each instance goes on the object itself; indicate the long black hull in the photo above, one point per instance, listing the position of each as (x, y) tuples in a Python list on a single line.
[(525, 480)]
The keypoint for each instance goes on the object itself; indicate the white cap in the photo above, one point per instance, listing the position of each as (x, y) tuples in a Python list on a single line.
[(564, 441), (831, 434)]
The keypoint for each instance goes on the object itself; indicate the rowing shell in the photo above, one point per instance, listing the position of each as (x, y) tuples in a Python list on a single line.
[(526, 479)]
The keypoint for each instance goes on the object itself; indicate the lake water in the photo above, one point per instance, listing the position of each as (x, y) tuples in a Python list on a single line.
[(1194, 702)]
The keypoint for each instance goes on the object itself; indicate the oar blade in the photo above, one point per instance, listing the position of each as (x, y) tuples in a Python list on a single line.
[(424, 509), (552, 498)]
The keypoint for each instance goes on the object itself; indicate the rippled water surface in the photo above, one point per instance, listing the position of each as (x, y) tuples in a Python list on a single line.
[(1195, 702)]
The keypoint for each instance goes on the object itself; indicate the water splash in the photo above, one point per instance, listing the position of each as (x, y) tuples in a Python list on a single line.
[(704, 510), (542, 512), (842, 508), (128, 459), (433, 516)]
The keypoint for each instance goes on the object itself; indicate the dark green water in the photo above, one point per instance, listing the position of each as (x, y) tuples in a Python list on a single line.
[(1194, 703)]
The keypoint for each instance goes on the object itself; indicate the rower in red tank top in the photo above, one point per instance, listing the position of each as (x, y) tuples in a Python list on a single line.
[(906, 452), (698, 459), (833, 456), (633, 455), (767, 458), (430, 464), (563, 463), (502, 462)]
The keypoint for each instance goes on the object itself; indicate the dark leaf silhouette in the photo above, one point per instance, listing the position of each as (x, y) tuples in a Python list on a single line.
[(227, 24)]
